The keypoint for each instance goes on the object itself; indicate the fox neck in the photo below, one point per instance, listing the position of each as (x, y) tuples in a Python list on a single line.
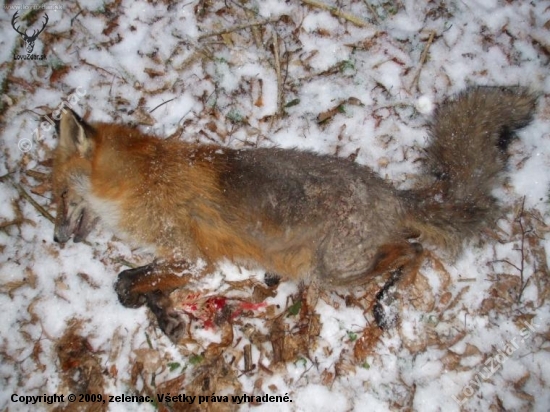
[(147, 191)]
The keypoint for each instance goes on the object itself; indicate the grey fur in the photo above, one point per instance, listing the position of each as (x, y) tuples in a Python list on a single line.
[(344, 212)]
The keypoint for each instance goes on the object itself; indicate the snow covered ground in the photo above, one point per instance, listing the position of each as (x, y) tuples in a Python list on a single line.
[(350, 78)]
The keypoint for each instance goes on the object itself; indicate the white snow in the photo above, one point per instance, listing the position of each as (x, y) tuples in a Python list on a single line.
[(216, 80)]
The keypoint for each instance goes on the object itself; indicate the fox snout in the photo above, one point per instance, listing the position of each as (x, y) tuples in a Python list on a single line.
[(72, 219)]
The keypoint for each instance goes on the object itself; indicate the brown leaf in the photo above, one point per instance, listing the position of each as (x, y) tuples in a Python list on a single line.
[(81, 369), (153, 73), (471, 350), (421, 294), (451, 360), (59, 73), (149, 358), (365, 344)]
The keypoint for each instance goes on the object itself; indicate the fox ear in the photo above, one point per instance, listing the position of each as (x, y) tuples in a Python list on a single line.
[(74, 134)]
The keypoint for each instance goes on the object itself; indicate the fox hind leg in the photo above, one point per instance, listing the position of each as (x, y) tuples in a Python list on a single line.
[(399, 260), (384, 314)]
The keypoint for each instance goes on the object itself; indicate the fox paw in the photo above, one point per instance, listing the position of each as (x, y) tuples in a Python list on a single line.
[(172, 324), (385, 311), (123, 288), (169, 321), (271, 279)]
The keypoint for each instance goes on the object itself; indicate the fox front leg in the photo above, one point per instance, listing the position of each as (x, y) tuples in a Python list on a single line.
[(133, 285), (126, 283)]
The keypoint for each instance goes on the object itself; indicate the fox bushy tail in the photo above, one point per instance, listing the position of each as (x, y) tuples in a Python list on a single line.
[(465, 156)]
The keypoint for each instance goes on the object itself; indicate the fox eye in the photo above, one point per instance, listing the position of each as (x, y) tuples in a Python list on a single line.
[(64, 194)]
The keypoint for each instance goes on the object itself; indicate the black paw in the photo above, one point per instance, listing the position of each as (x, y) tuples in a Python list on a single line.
[(169, 321), (172, 324), (385, 315), (124, 286), (271, 279), (384, 311)]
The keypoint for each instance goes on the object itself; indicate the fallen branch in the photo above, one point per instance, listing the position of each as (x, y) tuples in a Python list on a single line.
[(423, 58), (163, 103), (33, 202), (373, 12), (339, 13), (276, 52), (523, 282), (236, 28)]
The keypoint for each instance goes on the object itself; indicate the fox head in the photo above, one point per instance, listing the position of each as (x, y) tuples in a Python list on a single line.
[(71, 178)]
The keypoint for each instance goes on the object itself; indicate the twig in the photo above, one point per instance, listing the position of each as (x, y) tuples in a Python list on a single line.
[(248, 365), (276, 52), (33, 202), (100, 68), (236, 28), (339, 13), (423, 59), (125, 262), (6, 224), (167, 101), (521, 267), (251, 14), (74, 18), (507, 262), (523, 284), (255, 32), (373, 12)]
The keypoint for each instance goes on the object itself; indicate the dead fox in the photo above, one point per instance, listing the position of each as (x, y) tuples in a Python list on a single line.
[(295, 214)]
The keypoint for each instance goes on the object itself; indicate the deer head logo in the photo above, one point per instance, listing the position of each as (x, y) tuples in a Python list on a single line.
[(29, 40)]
